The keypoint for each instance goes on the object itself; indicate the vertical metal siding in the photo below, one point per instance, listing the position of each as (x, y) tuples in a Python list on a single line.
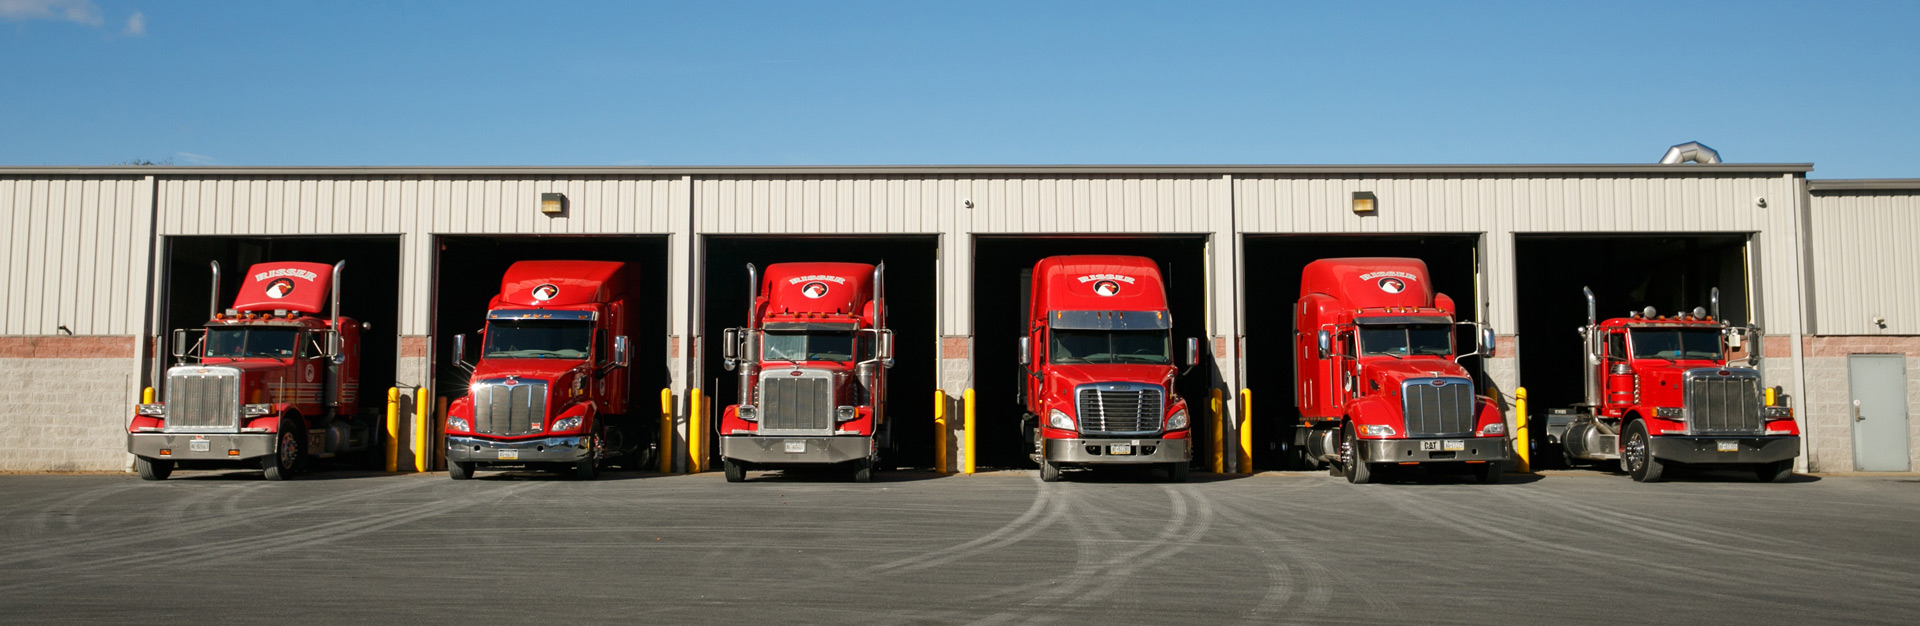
[(74, 253), (1864, 262)]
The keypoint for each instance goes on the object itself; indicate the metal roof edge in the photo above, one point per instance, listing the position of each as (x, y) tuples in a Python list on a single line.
[(1863, 184), (177, 171)]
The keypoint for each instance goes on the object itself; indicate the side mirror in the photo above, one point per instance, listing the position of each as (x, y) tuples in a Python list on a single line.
[(460, 348), (1026, 345), (1757, 348), (333, 346), (620, 352), (886, 345), (1193, 351), (1326, 344), (1486, 342), (179, 343), (730, 348)]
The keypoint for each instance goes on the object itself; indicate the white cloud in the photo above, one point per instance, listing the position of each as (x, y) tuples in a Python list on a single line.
[(81, 11), (195, 159), (137, 25)]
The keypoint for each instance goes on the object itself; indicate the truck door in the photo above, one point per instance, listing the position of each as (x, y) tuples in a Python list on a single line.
[(1616, 370)]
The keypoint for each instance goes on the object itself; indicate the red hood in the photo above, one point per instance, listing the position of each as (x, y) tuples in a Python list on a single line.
[(1070, 376), (1389, 372), (531, 369), (1660, 380)]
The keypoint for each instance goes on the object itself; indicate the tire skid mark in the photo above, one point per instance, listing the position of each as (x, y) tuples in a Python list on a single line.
[(1045, 511), (1321, 581), (62, 508)]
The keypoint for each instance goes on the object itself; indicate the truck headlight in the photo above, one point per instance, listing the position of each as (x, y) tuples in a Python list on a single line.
[(1779, 412), (1059, 420), (1670, 412), (152, 410), (1178, 421), (845, 414), (257, 410), (1377, 430), (1496, 428), (748, 412), (564, 425), (459, 424)]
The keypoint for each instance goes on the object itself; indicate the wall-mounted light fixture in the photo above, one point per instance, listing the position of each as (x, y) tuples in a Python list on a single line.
[(553, 204), (1364, 203)]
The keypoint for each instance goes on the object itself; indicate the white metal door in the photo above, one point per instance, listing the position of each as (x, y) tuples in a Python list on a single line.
[(1877, 385)]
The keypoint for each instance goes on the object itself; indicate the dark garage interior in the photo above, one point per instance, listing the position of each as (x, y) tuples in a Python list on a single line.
[(911, 292), (1271, 285), (999, 265)]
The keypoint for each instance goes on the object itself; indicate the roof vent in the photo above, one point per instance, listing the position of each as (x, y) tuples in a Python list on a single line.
[(1690, 152)]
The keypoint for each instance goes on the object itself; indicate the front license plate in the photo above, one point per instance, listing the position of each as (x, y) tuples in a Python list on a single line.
[(1728, 446), (509, 455), (1120, 449), (1455, 445), (797, 447), (199, 445)]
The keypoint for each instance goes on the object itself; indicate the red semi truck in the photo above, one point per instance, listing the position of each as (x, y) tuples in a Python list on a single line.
[(1097, 368), (812, 362), (552, 388), (273, 385), (1377, 376), (1661, 391)]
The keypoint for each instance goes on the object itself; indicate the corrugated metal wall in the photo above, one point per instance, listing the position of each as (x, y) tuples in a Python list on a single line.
[(1501, 206), (76, 252), (415, 207), (1866, 262)]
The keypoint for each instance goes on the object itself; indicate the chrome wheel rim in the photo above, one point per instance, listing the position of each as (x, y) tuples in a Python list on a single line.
[(289, 449), (1346, 451), (1636, 452)]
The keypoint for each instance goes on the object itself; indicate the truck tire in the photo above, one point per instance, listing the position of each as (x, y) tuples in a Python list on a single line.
[(1636, 457), (735, 471), (1775, 472), (460, 470), (287, 453), (1049, 473), (1489, 473), (1357, 471), (1177, 471), (152, 469), (586, 469), (863, 471)]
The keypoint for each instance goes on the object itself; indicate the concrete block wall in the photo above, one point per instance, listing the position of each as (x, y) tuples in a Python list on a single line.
[(67, 402), (1827, 401)]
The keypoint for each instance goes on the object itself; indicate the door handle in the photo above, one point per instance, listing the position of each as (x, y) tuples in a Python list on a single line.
[(1856, 412)]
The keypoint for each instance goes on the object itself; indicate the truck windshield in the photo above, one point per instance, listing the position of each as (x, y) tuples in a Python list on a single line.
[(1152, 347), (818, 346), (1404, 340), (237, 343), (538, 339), (1676, 343)]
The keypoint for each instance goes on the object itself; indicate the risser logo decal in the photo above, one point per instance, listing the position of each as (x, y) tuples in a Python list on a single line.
[(309, 372), (279, 288), (1392, 285), (545, 292), (1106, 287), (815, 289), (1390, 281), (1106, 284)]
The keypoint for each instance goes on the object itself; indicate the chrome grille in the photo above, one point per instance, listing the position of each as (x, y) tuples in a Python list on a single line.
[(509, 410), (796, 403), (1119, 408), (1723, 404), (1438, 411), (203, 399)]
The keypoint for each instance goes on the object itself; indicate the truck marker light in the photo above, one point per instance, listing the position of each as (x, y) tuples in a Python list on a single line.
[(166, 452), (233, 453)]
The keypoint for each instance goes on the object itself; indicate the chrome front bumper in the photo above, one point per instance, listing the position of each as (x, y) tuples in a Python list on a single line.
[(1092, 451), (1410, 450), (544, 450), (220, 447), (1699, 449), (772, 450)]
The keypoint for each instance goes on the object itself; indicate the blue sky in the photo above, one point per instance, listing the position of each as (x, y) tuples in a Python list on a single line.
[(93, 82)]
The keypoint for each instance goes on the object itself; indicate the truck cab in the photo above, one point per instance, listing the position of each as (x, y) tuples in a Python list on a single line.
[(551, 388), (812, 361), (1377, 375), (1098, 369), (270, 383), (1663, 390)]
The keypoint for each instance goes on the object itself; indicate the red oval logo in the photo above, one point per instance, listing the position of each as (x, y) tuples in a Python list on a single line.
[(1439, 383)]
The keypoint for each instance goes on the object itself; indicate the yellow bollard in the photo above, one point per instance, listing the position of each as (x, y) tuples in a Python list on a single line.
[(966, 465), (940, 431), (146, 396), (1520, 447), (1218, 452), (393, 429), (1246, 431), (421, 409), (666, 431), (696, 444)]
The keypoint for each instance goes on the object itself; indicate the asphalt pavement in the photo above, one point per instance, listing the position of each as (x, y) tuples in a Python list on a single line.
[(916, 548)]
